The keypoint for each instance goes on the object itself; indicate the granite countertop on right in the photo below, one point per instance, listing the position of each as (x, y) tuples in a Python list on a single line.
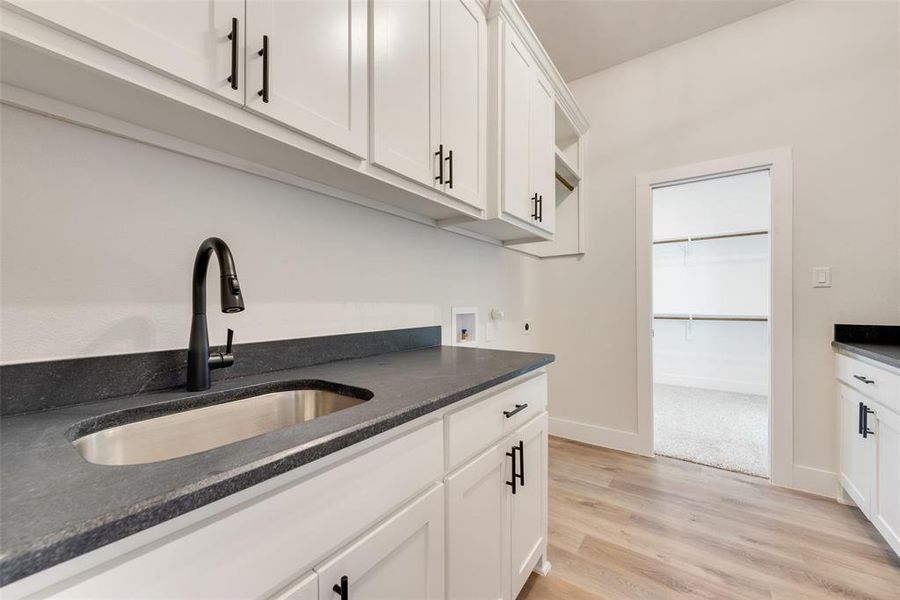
[(880, 343)]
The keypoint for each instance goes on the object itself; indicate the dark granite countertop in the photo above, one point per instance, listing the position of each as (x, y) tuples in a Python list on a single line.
[(880, 343), (55, 506), (888, 354)]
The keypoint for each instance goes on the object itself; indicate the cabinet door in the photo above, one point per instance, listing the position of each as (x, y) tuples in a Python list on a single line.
[(857, 453), (528, 506), (306, 588), (542, 159), (403, 558), (516, 92), (478, 529), (463, 81), (317, 67), (886, 501), (187, 39), (405, 126)]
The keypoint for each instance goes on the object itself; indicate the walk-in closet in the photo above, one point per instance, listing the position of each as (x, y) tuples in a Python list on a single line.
[(711, 321)]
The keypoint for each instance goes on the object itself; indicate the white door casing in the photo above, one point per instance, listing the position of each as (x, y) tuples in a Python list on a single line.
[(779, 164)]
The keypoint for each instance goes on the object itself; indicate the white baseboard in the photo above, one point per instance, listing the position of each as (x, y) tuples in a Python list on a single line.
[(817, 481), (617, 439), (709, 383), (806, 479)]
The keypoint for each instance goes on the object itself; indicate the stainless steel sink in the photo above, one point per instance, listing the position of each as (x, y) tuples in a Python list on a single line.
[(199, 429)]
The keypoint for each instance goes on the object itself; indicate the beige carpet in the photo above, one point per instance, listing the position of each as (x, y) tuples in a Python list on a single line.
[(720, 429)]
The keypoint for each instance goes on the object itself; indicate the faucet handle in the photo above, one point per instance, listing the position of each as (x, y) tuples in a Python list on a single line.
[(223, 359)]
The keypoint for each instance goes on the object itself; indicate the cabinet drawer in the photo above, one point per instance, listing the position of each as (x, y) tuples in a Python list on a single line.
[(260, 548), (875, 382), (473, 428)]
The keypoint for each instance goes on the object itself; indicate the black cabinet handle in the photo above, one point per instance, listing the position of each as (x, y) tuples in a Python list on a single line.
[(860, 418), (521, 449), (866, 432), (264, 52), (233, 36), (450, 171), (864, 379), (534, 210), (440, 157), (343, 589), (540, 204), (515, 476), (519, 408)]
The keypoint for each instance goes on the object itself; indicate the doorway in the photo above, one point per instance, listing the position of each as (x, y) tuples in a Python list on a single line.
[(711, 321), (714, 314)]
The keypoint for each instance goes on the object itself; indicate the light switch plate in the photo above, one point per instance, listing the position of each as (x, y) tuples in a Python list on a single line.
[(821, 277)]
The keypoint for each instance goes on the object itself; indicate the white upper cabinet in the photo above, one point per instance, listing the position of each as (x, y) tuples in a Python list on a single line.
[(463, 81), (438, 110), (404, 94), (306, 588), (523, 93), (307, 66), (187, 39), (528, 148), (515, 115), (429, 94), (542, 153)]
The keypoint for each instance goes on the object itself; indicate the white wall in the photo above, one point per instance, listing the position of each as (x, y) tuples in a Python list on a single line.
[(99, 236), (820, 77)]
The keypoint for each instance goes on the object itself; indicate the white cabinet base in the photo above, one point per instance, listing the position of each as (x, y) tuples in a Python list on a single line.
[(378, 513), (870, 459), (401, 559)]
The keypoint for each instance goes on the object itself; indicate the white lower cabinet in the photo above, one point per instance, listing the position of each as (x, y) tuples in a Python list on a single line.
[(403, 558), (478, 528), (528, 505), (857, 452), (869, 399), (886, 498), (394, 520), (497, 516)]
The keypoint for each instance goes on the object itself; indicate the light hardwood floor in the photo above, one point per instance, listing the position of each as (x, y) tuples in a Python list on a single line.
[(625, 526)]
